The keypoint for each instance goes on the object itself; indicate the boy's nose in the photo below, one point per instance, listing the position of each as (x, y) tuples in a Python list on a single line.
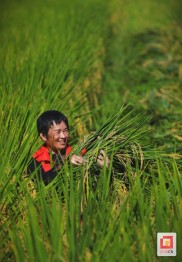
[(62, 134)]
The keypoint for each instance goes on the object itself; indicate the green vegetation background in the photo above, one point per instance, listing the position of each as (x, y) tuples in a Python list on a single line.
[(87, 59)]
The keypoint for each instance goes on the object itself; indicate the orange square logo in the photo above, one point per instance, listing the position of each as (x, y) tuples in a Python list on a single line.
[(166, 244)]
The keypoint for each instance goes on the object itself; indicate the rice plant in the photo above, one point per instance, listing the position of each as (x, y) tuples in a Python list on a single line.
[(144, 66)]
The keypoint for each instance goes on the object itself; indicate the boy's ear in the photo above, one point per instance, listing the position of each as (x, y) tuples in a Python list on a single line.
[(44, 138)]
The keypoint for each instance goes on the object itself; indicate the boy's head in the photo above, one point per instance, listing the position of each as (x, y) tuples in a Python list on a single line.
[(52, 127)]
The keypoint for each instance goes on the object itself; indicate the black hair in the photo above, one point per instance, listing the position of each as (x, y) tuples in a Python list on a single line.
[(48, 118)]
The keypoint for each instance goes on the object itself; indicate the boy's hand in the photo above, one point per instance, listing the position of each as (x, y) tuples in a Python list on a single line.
[(77, 160), (103, 159)]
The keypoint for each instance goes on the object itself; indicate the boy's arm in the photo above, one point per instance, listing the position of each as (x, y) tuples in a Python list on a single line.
[(46, 177)]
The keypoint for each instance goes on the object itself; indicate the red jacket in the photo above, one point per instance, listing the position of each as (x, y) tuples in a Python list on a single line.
[(43, 156)]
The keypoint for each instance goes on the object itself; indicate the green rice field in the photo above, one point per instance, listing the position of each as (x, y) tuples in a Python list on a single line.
[(114, 68)]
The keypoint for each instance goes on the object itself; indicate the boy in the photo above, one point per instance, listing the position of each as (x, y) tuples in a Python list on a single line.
[(53, 129)]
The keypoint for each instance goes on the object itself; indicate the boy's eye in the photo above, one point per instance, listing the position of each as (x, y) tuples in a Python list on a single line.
[(57, 132)]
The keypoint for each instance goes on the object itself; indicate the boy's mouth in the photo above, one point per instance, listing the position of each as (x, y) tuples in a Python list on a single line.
[(62, 142)]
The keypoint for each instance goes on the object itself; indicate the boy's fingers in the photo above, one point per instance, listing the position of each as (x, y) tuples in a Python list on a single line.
[(103, 158), (100, 157), (102, 154), (100, 162), (102, 151), (77, 160)]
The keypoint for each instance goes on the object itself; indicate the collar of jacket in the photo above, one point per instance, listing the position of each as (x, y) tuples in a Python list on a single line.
[(43, 156)]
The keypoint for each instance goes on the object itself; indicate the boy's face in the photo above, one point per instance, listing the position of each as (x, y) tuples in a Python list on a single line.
[(57, 137)]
